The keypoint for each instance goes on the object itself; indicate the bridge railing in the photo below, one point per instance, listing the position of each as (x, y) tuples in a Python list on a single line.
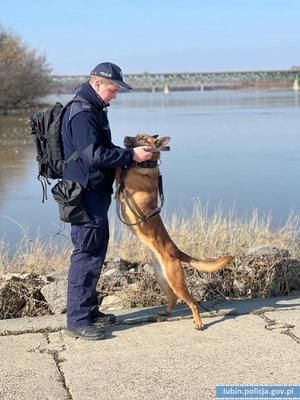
[(146, 79)]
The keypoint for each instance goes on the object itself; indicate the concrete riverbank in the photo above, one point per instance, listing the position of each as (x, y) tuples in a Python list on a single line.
[(245, 342)]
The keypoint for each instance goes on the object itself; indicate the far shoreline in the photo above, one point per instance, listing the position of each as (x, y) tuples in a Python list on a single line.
[(40, 104)]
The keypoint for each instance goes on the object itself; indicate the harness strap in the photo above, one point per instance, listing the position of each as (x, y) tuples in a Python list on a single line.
[(161, 191), (118, 212), (141, 217)]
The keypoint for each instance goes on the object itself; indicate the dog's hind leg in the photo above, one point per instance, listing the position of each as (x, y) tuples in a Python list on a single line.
[(175, 276), (163, 283)]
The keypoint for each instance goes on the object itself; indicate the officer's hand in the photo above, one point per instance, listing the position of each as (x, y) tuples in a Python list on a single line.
[(141, 153)]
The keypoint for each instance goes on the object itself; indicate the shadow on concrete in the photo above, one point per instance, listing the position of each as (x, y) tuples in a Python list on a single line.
[(224, 309), (128, 319)]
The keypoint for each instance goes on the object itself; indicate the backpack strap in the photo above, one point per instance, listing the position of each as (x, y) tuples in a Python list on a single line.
[(85, 106)]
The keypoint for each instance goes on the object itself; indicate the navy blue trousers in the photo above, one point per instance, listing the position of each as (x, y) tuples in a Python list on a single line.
[(90, 242)]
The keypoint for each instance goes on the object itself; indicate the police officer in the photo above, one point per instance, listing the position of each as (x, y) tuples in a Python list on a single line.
[(86, 131)]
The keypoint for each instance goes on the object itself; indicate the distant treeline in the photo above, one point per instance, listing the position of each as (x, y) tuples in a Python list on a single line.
[(24, 75)]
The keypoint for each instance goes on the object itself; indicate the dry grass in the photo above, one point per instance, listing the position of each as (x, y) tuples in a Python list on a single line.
[(199, 234), (205, 236), (143, 292), (35, 256)]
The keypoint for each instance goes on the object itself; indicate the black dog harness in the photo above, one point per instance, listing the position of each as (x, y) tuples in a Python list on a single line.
[(121, 189)]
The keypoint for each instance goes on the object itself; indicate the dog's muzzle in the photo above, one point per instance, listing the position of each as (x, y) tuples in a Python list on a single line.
[(129, 142)]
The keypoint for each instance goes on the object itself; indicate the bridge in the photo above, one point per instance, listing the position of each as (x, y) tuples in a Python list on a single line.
[(199, 80)]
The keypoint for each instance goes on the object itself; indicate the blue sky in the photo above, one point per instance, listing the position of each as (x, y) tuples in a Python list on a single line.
[(158, 35)]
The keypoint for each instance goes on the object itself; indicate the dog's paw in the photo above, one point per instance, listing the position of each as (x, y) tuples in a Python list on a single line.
[(199, 327)]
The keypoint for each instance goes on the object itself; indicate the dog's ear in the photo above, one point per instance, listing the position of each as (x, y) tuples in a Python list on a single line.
[(163, 141)]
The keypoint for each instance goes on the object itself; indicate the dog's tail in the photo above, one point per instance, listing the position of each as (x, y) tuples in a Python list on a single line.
[(206, 265)]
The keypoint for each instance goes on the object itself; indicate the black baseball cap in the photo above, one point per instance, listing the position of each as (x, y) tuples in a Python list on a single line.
[(112, 72)]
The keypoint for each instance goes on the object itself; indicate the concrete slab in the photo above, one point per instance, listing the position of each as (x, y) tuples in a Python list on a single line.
[(28, 371), (245, 342), (46, 323), (173, 361)]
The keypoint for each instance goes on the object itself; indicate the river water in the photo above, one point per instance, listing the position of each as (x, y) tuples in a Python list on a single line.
[(228, 148)]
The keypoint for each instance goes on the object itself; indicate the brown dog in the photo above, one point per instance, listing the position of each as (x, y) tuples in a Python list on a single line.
[(140, 187)]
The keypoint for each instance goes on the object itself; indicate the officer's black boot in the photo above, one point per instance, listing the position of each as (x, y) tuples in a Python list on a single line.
[(98, 317), (89, 332)]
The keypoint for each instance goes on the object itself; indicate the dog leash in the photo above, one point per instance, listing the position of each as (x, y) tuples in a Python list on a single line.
[(141, 217)]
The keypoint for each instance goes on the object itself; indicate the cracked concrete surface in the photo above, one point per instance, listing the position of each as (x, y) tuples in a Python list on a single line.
[(27, 373), (285, 322), (245, 342)]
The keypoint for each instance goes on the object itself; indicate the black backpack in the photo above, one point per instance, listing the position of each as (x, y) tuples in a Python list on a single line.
[(46, 126)]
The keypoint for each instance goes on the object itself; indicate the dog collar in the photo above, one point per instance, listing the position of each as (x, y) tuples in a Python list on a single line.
[(144, 164)]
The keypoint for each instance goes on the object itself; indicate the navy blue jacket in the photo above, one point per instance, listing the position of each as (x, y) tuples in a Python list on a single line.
[(85, 129)]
